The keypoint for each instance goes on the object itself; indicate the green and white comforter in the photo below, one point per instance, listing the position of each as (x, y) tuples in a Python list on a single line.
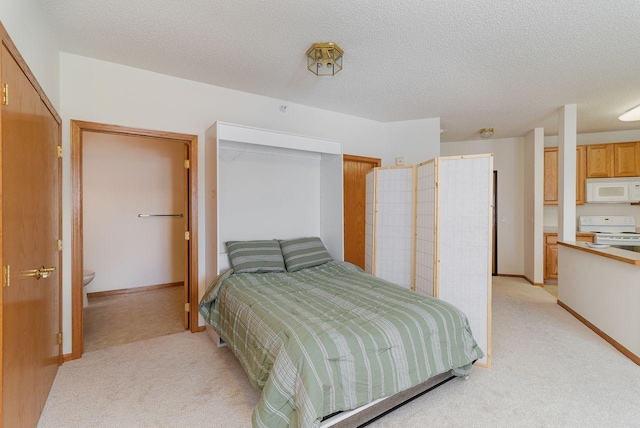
[(332, 338)]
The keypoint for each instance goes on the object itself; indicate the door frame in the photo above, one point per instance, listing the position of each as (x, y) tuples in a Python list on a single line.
[(78, 127)]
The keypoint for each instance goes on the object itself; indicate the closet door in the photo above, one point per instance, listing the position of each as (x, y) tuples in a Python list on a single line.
[(30, 258), (355, 169)]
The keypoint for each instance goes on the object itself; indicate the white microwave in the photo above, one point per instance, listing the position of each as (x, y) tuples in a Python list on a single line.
[(616, 190)]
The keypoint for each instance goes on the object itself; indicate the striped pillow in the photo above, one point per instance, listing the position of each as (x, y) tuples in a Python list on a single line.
[(304, 253), (255, 256)]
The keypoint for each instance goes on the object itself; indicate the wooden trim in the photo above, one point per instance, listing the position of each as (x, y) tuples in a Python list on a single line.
[(77, 260), (194, 282), (200, 329), (414, 225), (601, 253), (363, 159), (2, 392), (77, 129), (60, 253), (537, 284), (135, 289), (433, 160), (6, 40), (436, 229), (138, 132), (395, 167), (67, 357), (481, 155), (512, 275), (633, 357)]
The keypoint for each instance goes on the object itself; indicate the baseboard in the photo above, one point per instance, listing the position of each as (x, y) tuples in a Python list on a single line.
[(537, 284), (135, 289), (627, 353), (511, 275), (67, 357)]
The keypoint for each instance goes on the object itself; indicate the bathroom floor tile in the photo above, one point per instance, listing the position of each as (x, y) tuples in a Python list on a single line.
[(123, 318)]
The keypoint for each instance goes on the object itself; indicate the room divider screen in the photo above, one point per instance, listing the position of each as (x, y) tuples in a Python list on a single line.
[(428, 228)]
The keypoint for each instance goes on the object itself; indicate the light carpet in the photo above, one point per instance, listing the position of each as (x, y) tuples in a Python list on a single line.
[(548, 370)]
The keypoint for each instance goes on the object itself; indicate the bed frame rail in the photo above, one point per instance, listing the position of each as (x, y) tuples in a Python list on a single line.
[(368, 413)]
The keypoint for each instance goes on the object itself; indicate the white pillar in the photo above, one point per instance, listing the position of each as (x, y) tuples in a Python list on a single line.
[(567, 136), (534, 205), (538, 206)]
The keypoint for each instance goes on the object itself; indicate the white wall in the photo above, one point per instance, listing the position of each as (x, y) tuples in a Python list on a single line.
[(104, 92), (266, 181), (551, 212), (123, 177), (32, 34), (508, 160)]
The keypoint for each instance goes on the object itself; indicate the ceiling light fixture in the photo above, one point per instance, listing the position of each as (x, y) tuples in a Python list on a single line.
[(324, 59), (631, 115), (486, 132)]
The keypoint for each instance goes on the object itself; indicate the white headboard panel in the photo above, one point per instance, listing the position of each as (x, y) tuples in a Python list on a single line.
[(267, 196), (265, 184)]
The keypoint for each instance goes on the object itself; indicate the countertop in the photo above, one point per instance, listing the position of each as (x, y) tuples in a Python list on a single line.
[(550, 229), (619, 254)]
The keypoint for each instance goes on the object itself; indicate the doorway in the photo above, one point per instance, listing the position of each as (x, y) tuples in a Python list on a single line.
[(494, 234), (355, 169), (81, 132)]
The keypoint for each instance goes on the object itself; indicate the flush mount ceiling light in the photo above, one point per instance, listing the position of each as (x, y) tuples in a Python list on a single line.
[(324, 59), (631, 115), (486, 132)]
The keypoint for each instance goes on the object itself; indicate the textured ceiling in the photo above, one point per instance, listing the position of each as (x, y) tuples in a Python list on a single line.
[(503, 64)]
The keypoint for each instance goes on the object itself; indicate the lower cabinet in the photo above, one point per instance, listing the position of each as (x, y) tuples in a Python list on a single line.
[(551, 252)]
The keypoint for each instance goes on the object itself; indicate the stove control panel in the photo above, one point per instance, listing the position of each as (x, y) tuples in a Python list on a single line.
[(611, 224)]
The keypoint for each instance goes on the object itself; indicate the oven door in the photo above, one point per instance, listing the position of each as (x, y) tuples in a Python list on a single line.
[(607, 191)]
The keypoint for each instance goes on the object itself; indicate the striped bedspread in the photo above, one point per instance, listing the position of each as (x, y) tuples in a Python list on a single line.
[(332, 338)]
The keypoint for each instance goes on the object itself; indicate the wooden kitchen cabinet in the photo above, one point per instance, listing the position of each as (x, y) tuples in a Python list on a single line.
[(550, 256), (551, 252), (626, 159), (599, 160), (551, 175), (613, 160)]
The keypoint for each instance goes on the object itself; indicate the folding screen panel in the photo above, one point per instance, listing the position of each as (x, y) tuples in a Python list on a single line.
[(369, 224), (425, 274), (391, 209), (464, 226), (429, 228)]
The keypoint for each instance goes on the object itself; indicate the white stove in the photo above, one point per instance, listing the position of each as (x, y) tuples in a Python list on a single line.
[(619, 230)]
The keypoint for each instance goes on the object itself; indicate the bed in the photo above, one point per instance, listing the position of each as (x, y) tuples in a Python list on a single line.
[(331, 338)]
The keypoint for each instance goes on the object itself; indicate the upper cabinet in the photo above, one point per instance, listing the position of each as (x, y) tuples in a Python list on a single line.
[(600, 160), (613, 160), (551, 175), (626, 159)]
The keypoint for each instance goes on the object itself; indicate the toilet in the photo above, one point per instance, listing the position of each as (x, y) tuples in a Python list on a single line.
[(87, 277)]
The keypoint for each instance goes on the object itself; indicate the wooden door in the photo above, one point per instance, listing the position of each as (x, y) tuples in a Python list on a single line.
[(626, 159), (599, 161), (355, 172), (30, 233)]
